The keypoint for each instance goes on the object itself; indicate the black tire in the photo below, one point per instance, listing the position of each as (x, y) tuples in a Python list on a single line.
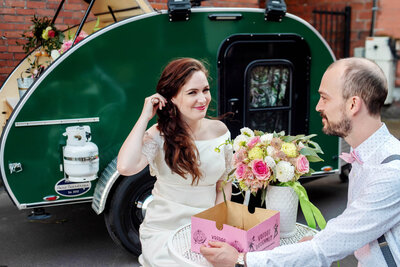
[(123, 215), (344, 173)]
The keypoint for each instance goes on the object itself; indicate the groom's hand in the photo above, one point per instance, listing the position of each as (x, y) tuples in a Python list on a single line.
[(220, 254)]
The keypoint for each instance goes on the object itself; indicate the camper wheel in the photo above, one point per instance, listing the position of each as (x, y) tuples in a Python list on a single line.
[(126, 210)]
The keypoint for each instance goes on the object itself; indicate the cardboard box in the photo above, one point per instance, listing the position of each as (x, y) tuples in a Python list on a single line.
[(232, 223)]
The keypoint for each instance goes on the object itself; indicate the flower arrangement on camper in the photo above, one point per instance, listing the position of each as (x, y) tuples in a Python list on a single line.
[(42, 33), (262, 159)]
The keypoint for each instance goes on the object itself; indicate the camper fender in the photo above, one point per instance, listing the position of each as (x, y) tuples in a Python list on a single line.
[(104, 185)]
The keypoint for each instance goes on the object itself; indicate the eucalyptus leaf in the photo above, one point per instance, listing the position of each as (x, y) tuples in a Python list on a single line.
[(308, 137), (314, 159), (317, 148), (307, 151), (263, 195), (288, 138), (310, 171)]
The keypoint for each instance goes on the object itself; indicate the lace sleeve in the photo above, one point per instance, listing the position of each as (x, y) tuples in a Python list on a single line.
[(150, 149), (228, 151)]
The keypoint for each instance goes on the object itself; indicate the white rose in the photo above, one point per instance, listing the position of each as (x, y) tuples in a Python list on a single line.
[(247, 131), (240, 140), (266, 138), (54, 54), (284, 171)]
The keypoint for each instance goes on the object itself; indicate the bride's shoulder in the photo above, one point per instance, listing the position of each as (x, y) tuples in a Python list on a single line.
[(218, 127), (153, 133)]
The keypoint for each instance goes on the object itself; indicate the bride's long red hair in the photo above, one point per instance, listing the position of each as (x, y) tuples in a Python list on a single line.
[(181, 154)]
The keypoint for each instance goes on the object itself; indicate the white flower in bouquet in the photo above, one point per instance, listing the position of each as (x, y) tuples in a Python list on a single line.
[(284, 171), (270, 162), (240, 141), (266, 138), (54, 54), (270, 151), (247, 132), (301, 145)]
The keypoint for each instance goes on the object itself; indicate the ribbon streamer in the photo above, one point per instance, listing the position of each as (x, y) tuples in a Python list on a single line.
[(311, 213)]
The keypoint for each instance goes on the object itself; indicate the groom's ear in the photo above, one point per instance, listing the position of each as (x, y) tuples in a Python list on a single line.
[(354, 104)]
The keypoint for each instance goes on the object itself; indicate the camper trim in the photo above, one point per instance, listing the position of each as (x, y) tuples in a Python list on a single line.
[(55, 122)]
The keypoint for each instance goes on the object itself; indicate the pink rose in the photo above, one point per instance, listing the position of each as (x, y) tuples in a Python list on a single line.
[(253, 141), (260, 169), (239, 156), (241, 171), (65, 46), (302, 164)]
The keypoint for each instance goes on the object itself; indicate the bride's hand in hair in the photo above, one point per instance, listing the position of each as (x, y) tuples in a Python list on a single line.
[(151, 104)]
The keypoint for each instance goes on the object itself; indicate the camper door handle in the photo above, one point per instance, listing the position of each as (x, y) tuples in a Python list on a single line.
[(232, 105)]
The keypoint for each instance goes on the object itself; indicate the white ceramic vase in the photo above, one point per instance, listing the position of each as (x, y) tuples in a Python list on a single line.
[(285, 200)]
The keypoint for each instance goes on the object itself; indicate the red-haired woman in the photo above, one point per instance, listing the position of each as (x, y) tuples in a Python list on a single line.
[(180, 152)]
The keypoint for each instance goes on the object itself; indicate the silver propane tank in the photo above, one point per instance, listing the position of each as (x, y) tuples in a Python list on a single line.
[(81, 157)]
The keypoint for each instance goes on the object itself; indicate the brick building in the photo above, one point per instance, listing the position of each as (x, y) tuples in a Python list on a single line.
[(15, 16)]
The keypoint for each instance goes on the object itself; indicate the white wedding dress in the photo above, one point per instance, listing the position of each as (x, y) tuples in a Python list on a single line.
[(175, 200)]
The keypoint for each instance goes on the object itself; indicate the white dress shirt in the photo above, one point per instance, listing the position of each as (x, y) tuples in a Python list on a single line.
[(373, 209)]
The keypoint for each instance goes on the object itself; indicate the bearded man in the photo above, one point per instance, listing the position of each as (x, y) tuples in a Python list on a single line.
[(352, 93)]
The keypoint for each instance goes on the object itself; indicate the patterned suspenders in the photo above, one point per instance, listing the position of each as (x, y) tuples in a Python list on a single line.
[(381, 240)]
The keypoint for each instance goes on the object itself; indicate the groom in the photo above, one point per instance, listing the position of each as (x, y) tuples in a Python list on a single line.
[(352, 93)]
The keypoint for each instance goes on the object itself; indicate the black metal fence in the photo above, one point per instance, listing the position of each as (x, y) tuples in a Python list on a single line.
[(334, 26)]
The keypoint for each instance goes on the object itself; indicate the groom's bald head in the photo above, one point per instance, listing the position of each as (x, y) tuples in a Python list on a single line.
[(362, 77)]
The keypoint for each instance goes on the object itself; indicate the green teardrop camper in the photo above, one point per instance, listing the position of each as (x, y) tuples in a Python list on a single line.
[(265, 67)]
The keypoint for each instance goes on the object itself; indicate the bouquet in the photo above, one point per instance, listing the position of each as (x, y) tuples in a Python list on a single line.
[(262, 159)]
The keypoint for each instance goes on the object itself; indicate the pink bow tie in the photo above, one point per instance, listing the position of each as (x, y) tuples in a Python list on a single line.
[(350, 157)]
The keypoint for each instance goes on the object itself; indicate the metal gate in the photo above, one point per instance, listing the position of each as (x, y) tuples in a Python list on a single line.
[(334, 26)]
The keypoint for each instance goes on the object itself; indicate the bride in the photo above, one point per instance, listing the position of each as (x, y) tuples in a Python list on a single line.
[(179, 150)]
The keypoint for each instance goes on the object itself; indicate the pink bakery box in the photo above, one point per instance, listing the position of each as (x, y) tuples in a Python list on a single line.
[(232, 223)]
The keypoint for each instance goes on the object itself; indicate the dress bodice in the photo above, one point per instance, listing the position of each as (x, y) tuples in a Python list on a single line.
[(213, 166)]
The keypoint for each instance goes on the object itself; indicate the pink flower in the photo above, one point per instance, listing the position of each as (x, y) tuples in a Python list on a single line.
[(239, 156), (68, 44), (65, 46), (260, 169), (302, 164), (241, 171), (80, 37), (253, 141), (256, 184)]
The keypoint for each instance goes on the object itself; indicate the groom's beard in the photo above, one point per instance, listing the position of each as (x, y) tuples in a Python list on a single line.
[(341, 128)]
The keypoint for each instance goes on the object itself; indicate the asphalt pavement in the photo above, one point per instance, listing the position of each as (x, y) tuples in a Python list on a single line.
[(76, 236)]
